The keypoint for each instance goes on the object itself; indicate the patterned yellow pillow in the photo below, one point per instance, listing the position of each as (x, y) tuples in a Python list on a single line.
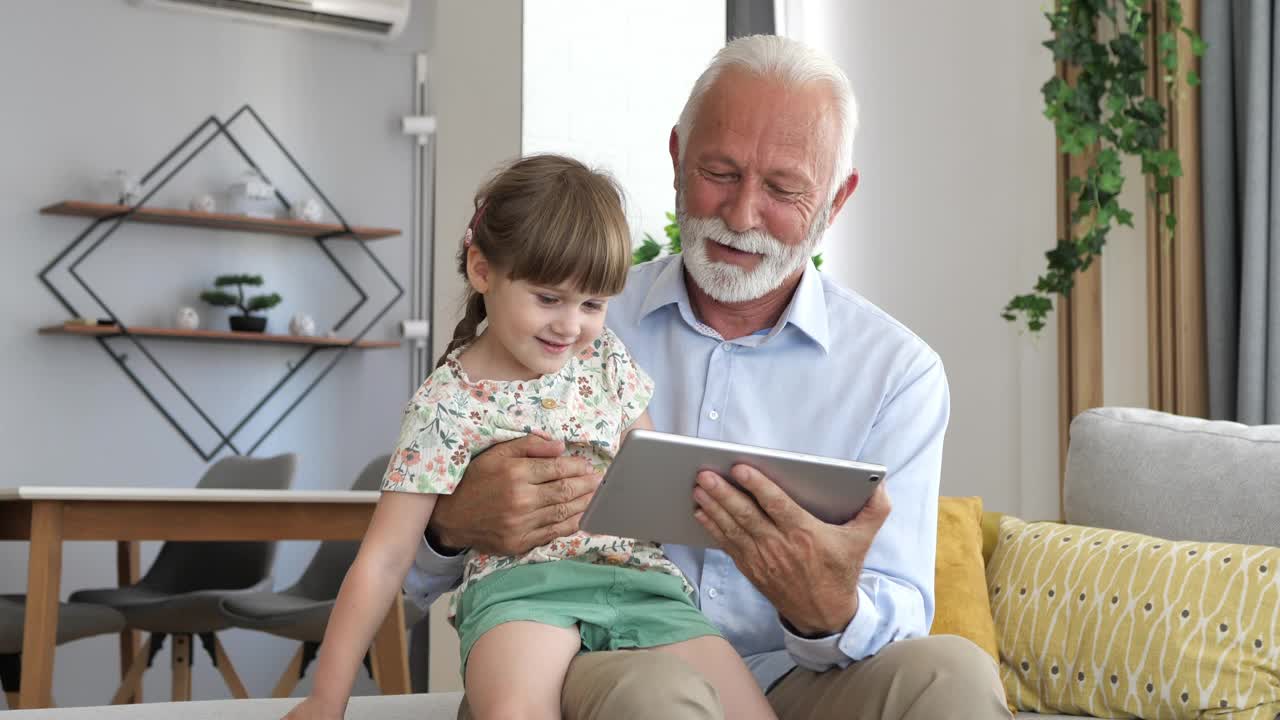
[(1114, 624)]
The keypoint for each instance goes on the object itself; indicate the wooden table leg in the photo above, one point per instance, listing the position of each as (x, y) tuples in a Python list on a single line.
[(127, 562), (40, 631), (390, 654), (181, 667)]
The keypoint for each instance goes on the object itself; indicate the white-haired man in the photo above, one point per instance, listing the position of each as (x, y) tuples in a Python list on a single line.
[(747, 342)]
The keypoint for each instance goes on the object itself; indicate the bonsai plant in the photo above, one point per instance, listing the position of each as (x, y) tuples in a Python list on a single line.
[(247, 321)]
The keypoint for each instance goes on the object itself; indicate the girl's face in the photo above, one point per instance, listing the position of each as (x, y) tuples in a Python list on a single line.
[(538, 328)]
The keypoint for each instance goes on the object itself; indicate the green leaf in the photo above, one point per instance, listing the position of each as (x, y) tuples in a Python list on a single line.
[(817, 261), (225, 280), (262, 302), (647, 250), (1193, 78), (219, 298), (1171, 222)]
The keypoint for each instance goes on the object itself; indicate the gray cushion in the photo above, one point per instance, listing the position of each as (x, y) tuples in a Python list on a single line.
[(291, 616), (1174, 477)]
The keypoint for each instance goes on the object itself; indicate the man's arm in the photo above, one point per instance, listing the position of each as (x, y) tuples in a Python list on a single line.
[(513, 497), (895, 594), (845, 591)]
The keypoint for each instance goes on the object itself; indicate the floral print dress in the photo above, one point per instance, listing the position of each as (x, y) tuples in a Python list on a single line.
[(587, 404)]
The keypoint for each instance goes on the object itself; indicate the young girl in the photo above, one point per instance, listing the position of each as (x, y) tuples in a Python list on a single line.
[(547, 247)]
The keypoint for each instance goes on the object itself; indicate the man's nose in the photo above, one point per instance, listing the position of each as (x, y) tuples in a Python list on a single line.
[(741, 212)]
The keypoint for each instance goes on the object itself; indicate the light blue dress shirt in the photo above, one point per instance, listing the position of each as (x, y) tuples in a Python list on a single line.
[(837, 377)]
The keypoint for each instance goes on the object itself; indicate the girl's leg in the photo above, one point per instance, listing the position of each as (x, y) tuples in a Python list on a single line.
[(516, 670), (720, 664)]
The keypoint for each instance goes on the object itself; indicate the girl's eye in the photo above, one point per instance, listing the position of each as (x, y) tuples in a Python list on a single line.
[(548, 299), (593, 305)]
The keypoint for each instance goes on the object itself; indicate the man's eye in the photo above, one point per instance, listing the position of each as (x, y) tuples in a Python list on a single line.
[(720, 177)]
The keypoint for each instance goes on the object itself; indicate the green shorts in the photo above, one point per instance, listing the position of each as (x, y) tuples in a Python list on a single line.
[(614, 608)]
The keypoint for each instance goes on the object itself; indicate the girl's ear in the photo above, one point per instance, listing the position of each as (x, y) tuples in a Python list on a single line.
[(479, 271)]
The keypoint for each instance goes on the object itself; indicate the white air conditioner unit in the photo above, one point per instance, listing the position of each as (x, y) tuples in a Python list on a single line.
[(382, 19)]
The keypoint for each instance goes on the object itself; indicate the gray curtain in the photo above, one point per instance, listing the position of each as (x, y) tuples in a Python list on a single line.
[(748, 17), (1240, 125)]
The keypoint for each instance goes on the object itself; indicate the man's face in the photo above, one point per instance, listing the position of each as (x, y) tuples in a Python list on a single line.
[(753, 187)]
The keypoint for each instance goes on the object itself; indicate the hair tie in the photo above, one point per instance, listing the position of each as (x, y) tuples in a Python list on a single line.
[(470, 234)]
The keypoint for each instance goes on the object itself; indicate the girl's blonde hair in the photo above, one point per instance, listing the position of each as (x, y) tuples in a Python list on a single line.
[(546, 219)]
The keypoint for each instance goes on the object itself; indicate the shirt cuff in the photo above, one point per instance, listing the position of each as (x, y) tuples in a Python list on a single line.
[(431, 559), (840, 649)]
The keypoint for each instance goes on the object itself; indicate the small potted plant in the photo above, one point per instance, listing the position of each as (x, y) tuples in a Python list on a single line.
[(247, 322)]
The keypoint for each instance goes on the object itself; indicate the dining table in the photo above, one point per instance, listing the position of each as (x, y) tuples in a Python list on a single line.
[(48, 516)]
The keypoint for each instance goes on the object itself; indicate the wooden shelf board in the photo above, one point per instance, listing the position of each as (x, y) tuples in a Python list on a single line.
[(215, 221), (213, 335)]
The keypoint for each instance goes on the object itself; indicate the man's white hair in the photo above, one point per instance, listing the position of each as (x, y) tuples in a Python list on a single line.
[(794, 64)]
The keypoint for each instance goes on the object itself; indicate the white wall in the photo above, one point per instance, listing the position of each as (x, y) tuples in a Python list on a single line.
[(476, 94), (953, 214), (91, 86), (605, 82), (1124, 300)]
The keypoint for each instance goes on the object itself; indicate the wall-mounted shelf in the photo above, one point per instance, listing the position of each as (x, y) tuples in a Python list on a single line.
[(112, 217), (216, 221), (215, 336)]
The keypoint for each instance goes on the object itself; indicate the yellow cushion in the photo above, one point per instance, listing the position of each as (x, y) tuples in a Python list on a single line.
[(1116, 624), (960, 587), (990, 531)]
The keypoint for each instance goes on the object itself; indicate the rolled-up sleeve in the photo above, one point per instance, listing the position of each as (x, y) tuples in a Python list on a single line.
[(433, 574), (895, 589)]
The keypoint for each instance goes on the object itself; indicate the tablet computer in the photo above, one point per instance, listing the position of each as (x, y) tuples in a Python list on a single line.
[(647, 493)]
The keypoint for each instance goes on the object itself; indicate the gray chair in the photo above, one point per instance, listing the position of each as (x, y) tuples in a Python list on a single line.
[(301, 612), (75, 621), (180, 593)]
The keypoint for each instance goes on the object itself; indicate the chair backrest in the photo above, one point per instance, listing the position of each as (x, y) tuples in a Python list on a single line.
[(190, 566), (323, 576)]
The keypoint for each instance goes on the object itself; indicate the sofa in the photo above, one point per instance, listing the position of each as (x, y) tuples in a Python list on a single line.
[(1136, 470)]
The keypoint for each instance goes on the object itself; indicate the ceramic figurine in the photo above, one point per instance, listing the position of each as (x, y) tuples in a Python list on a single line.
[(310, 210), (252, 195), (203, 203), (187, 318), (302, 324)]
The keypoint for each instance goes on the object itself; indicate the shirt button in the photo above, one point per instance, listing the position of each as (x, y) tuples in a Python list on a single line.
[(713, 415), (712, 593), (727, 347)]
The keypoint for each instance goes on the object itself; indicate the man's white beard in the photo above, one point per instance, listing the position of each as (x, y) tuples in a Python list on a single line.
[(729, 283)]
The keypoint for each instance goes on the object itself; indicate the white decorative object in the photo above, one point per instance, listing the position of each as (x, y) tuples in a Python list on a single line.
[(252, 195), (122, 188), (187, 318), (310, 210), (302, 324), (203, 203)]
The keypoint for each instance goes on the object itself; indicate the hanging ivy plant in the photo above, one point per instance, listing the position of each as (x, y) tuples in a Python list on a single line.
[(1106, 111)]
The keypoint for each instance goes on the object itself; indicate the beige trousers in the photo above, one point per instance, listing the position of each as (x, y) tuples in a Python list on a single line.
[(934, 678)]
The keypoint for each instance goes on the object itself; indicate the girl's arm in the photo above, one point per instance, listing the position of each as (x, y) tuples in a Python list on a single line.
[(388, 548), (642, 423)]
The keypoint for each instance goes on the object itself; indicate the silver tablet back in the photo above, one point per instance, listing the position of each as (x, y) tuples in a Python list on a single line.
[(647, 493)]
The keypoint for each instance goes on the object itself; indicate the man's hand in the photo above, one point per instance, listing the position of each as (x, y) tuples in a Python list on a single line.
[(514, 497), (807, 569)]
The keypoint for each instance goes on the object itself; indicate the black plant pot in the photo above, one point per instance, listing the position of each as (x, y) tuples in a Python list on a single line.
[(248, 323)]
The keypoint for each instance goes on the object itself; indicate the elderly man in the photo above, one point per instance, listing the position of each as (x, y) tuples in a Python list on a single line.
[(747, 342)]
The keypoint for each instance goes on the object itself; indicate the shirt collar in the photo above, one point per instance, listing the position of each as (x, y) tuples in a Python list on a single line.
[(807, 310)]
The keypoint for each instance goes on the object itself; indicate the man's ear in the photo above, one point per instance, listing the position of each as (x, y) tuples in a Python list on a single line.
[(843, 194), (673, 146), (479, 271)]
